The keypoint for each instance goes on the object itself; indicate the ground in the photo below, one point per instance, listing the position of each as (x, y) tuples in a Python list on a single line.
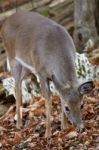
[(31, 136)]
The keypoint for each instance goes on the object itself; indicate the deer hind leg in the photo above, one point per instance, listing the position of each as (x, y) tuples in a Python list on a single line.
[(16, 70), (46, 93)]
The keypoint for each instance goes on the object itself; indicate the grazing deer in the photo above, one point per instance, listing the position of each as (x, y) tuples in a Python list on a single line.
[(39, 45)]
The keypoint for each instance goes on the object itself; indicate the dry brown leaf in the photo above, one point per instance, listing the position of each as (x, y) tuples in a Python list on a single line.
[(17, 138), (56, 133), (35, 118), (90, 109), (36, 135), (2, 129), (72, 134)]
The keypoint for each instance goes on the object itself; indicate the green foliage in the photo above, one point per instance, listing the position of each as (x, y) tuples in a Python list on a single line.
[(45, 13)]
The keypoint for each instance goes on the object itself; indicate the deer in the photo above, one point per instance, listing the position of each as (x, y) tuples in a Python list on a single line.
[(37, 44)]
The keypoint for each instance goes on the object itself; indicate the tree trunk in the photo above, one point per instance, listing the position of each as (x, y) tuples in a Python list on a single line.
[(96, 13), (85, 23)]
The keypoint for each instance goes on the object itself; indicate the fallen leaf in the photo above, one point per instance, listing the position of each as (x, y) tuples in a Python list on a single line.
[(72, 134), (17, 138)]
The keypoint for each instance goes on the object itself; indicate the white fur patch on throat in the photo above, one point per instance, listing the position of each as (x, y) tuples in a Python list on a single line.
[(26, 65)]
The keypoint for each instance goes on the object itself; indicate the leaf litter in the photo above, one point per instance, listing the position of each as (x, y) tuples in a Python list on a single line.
[(31, 136)]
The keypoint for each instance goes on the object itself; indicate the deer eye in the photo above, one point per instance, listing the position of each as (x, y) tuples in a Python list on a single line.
[(67, 109), (82, 106)]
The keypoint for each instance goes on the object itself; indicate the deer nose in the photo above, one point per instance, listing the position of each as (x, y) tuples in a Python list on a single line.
[(80, 127)]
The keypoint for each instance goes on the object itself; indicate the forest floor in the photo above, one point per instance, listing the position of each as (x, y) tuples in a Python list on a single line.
[(31, 136)]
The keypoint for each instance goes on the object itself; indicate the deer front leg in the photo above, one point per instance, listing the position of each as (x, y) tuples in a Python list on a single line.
[(18, 105), (48, 102), (64, 121), (48, 116)]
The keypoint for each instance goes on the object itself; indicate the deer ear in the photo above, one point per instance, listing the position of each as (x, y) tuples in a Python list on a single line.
[(86, 87)]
